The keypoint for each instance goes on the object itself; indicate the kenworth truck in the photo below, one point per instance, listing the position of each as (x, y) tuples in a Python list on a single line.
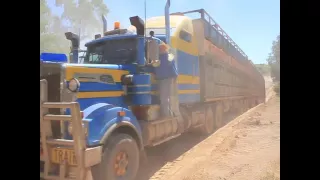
[(97, 117)]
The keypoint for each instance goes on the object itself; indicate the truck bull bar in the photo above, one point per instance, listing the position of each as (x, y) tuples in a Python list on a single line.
[(86, 157)]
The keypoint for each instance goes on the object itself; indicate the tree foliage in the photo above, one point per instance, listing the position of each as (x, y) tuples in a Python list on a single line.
[(83, 16), (274, 59), (264, 69), (78, 16)]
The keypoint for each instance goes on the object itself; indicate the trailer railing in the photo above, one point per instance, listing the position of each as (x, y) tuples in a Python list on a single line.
[(205, 16)]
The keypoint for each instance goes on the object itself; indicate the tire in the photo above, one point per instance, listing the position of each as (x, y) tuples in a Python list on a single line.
[(208, 126), (117, 146)]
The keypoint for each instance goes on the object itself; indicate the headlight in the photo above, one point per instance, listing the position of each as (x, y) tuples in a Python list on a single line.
[(84, 126), (73, 85)]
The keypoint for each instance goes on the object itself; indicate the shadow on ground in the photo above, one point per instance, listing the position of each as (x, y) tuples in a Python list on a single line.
[(169, 151)]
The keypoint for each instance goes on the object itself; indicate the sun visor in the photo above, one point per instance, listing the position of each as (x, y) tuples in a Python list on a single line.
[(53, 57)]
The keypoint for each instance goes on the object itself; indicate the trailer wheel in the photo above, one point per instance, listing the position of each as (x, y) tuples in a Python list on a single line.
[(208, 126), (218, 116), (120, 160)]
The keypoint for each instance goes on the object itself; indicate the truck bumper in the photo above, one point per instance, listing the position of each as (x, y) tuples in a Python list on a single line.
[(65, 172)]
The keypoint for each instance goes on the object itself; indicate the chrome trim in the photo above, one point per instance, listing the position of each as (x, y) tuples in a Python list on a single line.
[(140, 85), (142, 92), (62, 89), (62, 81), (66, 94)]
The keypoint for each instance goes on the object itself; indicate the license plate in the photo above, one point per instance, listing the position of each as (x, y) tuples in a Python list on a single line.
[(60, 155)]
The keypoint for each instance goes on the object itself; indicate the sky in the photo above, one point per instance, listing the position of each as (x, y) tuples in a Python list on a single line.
[(252, 24)]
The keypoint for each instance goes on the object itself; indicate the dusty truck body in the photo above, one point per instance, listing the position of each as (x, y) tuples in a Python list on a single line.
[(98, 117)]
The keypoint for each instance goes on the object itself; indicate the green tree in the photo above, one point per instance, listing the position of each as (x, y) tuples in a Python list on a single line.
[(264, 69), (45, 15), (78, 15), (83, 16), (274, 59), (51, 40)]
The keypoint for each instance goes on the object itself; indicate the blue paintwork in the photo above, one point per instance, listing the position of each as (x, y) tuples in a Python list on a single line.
[(75, 56), (189, 98), (188, 86), (141, 95), (141, 79), (53, 57), (111, 37), (187, 64), (142, 99), (116, 101), (96, 87), (101, 113), (134, 89), (141, 53), (102, 116)]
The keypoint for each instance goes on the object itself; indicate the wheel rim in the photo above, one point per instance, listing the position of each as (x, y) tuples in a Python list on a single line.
[(121, 164)]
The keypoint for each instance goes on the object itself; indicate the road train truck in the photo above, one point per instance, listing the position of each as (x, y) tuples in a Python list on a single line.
[(98, 116)]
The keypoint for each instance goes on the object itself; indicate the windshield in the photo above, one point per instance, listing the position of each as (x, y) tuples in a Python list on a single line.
[(119, 51), (82, 55)]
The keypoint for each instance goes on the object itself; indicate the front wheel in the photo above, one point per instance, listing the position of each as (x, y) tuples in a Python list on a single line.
[(120, 159)]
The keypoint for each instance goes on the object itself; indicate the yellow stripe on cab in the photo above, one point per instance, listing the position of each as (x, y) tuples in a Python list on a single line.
[(116, 74), (101, 94)]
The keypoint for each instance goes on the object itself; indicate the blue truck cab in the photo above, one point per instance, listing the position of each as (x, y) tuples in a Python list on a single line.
[(113, 79), (118, 99)]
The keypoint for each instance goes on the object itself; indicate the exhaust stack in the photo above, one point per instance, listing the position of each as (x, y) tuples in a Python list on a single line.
[(75, 43), (167, 21), (104, 21)]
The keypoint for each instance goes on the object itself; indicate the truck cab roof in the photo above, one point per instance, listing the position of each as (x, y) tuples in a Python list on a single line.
[(111, 37)]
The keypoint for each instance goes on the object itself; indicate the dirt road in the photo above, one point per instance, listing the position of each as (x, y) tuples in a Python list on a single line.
[(246, 148)]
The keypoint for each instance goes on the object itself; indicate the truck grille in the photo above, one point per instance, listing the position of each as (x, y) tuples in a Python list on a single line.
[(52, 73)]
